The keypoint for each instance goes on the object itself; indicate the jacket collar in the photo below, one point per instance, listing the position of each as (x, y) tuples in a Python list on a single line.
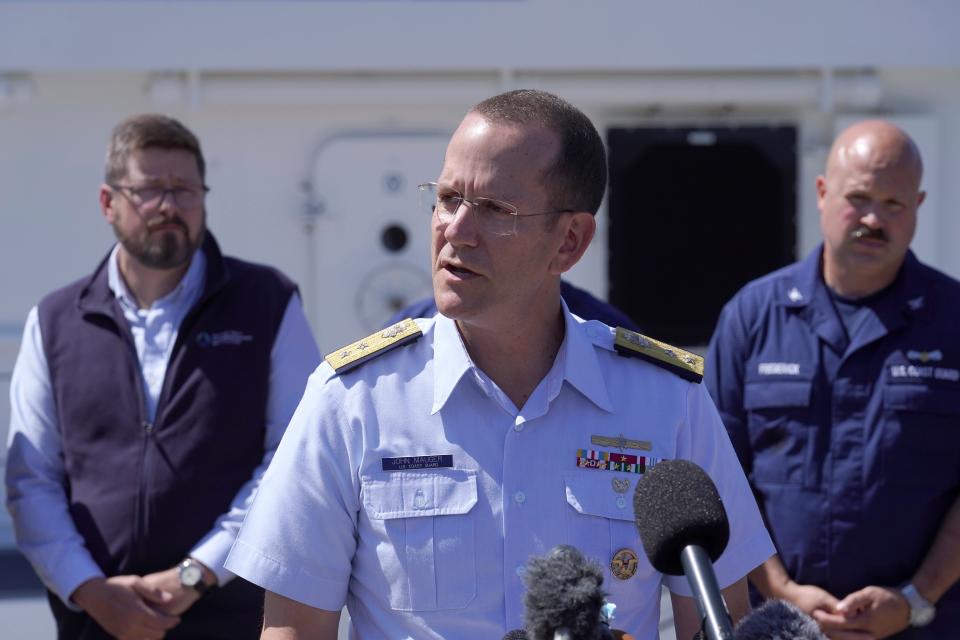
[(96, 296)]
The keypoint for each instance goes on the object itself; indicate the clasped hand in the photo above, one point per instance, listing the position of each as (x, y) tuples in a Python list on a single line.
[(136, 608), (872, 613)]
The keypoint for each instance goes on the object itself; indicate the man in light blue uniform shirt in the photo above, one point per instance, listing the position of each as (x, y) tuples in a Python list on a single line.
[(147, 400), (415, 483)]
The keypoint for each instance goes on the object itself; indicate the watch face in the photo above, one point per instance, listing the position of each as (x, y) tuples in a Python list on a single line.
[(190, 575)]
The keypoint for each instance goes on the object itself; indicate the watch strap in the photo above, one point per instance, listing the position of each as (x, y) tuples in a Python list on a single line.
[(201, 587), (922, 610)]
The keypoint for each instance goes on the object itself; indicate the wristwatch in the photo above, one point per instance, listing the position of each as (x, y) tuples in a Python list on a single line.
[(191, 575), (922, 610)]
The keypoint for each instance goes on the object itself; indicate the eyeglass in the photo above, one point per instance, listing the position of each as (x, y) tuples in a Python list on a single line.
[(151, 198), (493, 216)]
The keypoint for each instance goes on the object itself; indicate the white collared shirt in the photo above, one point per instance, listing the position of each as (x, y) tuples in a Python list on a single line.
[(155, 329), (439, 552)]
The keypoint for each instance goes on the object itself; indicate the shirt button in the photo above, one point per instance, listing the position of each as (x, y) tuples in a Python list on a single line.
[(518, 427), (519, 570), (621, 502), (519, 497)]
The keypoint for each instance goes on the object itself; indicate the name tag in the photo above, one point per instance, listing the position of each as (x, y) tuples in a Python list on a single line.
[(416, 462), (778, 368), (924, 371)]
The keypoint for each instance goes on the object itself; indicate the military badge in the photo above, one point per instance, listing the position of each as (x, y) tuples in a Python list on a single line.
[(620, 442), (624, 564), (613, 461)]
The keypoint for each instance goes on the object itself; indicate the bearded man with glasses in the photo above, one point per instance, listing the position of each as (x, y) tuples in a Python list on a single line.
[(146, 401), (415, 483)]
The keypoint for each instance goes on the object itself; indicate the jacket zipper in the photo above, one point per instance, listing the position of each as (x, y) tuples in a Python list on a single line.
[(141, 514)]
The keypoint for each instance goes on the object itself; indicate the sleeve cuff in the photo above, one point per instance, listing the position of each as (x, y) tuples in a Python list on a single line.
[(212, 552), (733, 564), (70, 575), (321, 593)]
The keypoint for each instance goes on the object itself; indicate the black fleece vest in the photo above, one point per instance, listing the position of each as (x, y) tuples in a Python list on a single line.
[(142, 494)]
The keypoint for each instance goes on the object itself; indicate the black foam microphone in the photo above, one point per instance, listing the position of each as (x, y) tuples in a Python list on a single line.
[(778, 620), (564, 597), (683, 528)]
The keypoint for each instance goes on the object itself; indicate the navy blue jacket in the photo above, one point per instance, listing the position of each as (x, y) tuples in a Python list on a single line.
[(143, 494), (580, 302), (853, 449)]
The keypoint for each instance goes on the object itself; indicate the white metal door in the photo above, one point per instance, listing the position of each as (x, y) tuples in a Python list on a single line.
[(371, 244)]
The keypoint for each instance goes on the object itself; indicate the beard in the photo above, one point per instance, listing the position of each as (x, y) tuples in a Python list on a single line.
[(162, 248)]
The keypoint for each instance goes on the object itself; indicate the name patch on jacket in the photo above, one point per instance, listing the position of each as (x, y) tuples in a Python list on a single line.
[(417, 462), (924, 372), (612, 461), (778, 368)]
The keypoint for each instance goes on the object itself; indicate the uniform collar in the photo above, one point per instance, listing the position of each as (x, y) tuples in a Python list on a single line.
[(582, 367), (450, 360), (806, 291), (577, 357), (904, 300), (798, 291)]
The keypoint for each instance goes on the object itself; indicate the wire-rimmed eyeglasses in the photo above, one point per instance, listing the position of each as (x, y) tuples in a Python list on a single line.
[(497, 217), (150, 198)]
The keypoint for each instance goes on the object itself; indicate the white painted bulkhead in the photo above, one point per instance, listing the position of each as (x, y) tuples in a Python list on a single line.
[(304, 110)]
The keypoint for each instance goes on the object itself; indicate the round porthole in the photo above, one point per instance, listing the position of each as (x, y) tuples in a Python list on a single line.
[(394, 238)]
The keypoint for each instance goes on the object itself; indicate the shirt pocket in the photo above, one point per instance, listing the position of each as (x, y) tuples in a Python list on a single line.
[(600, 523), (427, 518), (921, 438), (780, 430)]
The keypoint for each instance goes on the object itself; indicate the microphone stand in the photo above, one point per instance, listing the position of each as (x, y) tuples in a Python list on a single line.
[(703, 581)]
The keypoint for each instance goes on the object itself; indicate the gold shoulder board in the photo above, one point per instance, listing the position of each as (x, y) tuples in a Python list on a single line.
[(353, 355), (688, 366)]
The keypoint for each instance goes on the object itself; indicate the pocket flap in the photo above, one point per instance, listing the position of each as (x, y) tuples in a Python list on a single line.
[(915, 397), (592, 493), (412, 494), (777, 393)]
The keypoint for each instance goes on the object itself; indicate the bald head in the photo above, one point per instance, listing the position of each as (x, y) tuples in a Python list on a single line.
[(879, 146), (868, 200)]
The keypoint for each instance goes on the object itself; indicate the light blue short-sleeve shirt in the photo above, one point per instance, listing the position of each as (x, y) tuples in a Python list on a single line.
[(439, 552)]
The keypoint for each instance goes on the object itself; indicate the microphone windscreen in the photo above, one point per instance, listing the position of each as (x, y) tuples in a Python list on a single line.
[(778, 620), (675, 505), (515, 634), (563, 591)]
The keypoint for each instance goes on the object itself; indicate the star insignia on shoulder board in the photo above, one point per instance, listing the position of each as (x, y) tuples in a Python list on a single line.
[(393, 331), (353, 355), (685, 364)]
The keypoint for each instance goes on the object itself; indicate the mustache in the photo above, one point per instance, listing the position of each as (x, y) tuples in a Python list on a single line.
[(863, 231), (157, 222)]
